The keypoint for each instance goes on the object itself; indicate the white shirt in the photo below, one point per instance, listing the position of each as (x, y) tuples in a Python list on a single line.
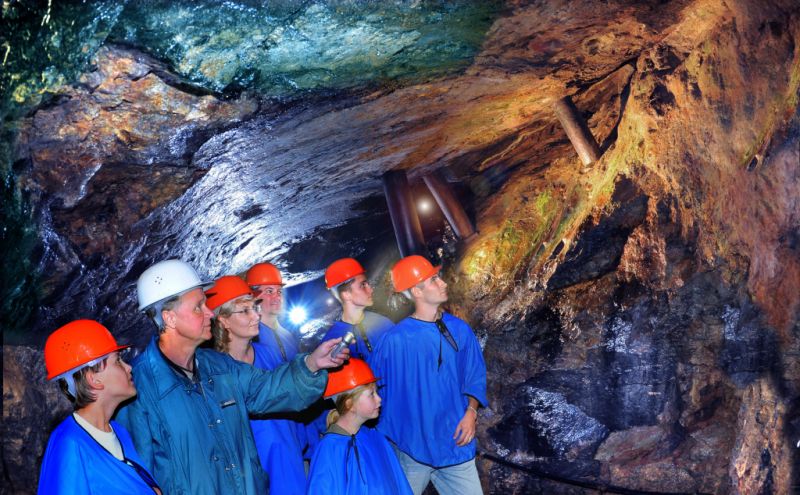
[(107, 439)]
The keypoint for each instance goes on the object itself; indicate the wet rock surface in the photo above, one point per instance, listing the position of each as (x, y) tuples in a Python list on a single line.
[(639, 316)]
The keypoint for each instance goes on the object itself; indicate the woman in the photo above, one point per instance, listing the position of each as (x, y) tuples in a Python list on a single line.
[(351, 459), (280, 441), (88, 453)]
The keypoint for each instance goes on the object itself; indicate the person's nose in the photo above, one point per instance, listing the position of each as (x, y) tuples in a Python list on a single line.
[(207, 312)]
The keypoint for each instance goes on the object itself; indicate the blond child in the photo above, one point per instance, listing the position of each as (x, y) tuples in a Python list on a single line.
[(353, 459)]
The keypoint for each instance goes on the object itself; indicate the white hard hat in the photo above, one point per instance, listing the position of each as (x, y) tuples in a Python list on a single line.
[(164, 280)]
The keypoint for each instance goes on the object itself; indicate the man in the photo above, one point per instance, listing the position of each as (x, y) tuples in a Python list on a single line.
[(267, 284), (189, 422), (346, 280), (434, 380), (281, 440)]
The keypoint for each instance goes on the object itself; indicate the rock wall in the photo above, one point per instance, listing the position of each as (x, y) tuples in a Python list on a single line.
[(653, 316)]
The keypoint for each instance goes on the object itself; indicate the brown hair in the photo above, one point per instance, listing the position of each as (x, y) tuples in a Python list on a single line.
[(83, 391), (344, 402), (220, 334), (344, 286)]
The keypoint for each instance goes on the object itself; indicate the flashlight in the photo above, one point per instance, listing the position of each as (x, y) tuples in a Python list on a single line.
[(348, 339)]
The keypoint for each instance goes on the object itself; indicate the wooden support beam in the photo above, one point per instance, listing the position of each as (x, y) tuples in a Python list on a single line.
[(577, 131), (449, 204), (407, 229)]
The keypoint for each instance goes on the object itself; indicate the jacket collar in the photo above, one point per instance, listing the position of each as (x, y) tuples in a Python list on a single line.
[(165, 375)]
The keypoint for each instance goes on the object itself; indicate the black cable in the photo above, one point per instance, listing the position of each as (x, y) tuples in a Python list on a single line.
[(603, 488)]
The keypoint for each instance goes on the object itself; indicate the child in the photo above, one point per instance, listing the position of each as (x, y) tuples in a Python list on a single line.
[(352, 460), (88, 453)]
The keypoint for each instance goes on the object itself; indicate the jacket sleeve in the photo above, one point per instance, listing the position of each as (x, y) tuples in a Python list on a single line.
[(63, 469), (474, 370), (289, 387), (327, 475), (136, 421)]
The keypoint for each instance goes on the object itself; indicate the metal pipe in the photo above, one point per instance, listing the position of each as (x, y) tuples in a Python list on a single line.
[(577, 131), (449, 204), (407, 229)]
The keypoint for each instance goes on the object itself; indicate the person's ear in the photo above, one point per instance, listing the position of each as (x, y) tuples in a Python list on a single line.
[(223, 322), (169, 318), (95, 382), (345, 295)]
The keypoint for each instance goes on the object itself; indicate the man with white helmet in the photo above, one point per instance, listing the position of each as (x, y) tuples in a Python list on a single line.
[(190, 419), (434, 379)]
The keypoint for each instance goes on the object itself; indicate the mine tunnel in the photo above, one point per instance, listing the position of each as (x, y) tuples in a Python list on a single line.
[(612, 189)]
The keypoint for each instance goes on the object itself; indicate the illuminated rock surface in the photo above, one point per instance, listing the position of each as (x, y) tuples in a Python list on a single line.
[(640, 316)]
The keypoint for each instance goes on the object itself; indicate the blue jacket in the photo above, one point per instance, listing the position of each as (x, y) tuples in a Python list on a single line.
[(195, 436), (424, 401), (74, 463), (277, 343), (280, 440), (360, 464), (375, 326)]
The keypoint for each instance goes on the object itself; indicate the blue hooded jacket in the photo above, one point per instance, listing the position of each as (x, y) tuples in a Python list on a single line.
[(360, 464), (195, 436), (280, 440), (75, 464), (375, 327), (279, 344), (425, 398)]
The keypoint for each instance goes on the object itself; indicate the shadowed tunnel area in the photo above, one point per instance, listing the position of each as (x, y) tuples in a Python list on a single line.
[(638, 310)]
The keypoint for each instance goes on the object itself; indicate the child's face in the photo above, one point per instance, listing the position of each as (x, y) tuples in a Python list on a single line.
[(368, 403)]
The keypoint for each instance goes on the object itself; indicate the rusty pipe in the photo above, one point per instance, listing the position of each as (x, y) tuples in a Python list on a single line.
[(407, 228), (449, 204), (577, 131)]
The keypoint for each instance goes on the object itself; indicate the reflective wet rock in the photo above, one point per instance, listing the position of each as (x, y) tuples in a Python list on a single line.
[(547, 425)]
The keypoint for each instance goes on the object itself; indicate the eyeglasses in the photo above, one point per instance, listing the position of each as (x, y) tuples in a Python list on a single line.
[(270, 291), (255, 309)]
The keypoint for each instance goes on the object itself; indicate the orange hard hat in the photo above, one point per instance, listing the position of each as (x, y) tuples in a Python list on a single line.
[(226, 289), (264, 274), (340, 271), (352, 374), (75, 345), (412, 270)]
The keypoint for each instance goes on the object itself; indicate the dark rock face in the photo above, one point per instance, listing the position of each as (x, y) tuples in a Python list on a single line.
[(639, 317), (32, 408)]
